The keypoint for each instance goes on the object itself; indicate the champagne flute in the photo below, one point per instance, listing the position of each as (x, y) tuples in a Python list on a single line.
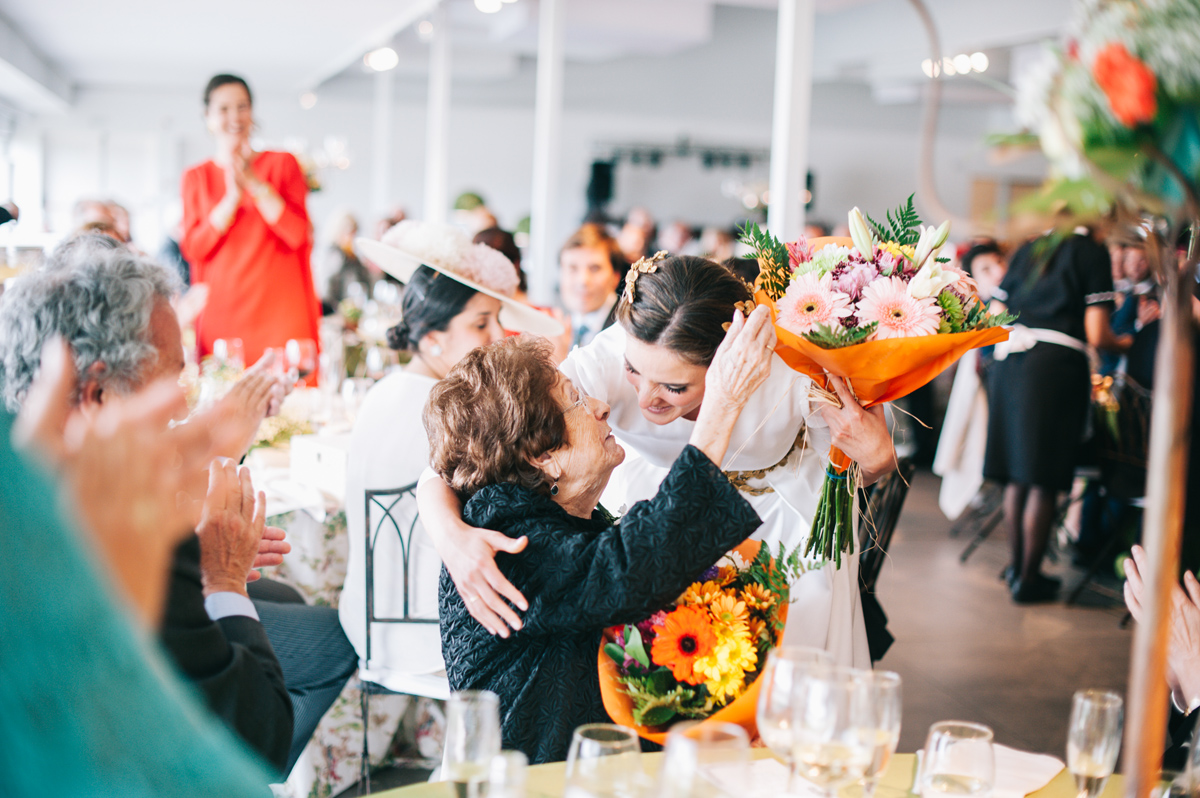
[(301, 355), (721, 749), (472, 740), (880, 713), (828, 716), (1094, 739), (604, 762), (774, 718), (958, 761)]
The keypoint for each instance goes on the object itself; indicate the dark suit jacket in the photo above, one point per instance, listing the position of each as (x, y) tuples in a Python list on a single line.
[(231, 661)]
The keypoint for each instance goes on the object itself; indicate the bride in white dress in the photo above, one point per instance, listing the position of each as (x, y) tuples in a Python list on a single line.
[(649, 368)]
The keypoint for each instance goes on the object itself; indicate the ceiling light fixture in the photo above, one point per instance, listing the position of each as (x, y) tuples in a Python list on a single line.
[(979, 62), (425, 30), (489, 6), (308, 100), (382, 60), (962, 63)]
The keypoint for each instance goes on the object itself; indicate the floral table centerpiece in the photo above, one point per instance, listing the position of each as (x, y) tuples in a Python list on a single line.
[(881, 311)]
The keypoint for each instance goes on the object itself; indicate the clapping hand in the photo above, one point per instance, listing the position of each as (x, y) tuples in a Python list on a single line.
[(231, 528), (1183, 641), (255, 396), (123, 470)]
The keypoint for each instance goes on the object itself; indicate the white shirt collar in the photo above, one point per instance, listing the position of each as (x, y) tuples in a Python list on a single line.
[(594, 321)]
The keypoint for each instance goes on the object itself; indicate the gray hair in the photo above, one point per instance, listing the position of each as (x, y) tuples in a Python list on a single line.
[(98, 296)]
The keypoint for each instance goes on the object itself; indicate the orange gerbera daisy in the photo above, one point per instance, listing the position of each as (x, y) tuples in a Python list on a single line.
[(685, 636), (729, 610), (758, 597), (701, 593)]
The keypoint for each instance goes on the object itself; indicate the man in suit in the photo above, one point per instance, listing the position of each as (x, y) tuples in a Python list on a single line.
[(113, 308), (590, 269)]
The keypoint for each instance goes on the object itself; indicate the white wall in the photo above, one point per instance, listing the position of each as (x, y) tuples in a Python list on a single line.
[(132, 145)]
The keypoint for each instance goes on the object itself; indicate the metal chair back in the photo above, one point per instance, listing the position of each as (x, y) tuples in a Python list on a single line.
[(878, 522), (388, 502)]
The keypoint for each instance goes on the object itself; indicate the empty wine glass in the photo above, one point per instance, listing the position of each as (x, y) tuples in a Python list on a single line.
[(830, 712), (472, 740), (775, 695), (506, 777), (301, 357), (1094, 739), (604, 762), (703, 760), (958, 761)]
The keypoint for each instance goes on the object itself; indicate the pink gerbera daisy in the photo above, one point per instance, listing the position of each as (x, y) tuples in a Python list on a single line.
[(809, 301), (887, 302)]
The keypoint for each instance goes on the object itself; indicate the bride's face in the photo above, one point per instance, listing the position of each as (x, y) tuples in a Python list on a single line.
[(668, 387)]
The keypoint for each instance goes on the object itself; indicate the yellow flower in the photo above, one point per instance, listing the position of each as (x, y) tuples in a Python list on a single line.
[(728, 610), (701, 593), (758, 597), (734, 653), (726, 686), (726, 574), (757, 627), (898, 251)]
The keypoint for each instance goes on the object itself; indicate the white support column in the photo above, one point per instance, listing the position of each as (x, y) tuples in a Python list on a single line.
[(382, 141), (437, 125), (546, 146), (789, 130)]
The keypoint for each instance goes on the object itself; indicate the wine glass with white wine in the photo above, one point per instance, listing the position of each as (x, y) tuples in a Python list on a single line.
[(959, 761), (774, 717), (830, 749), (1094, 739), (472, 741), (879, 711)]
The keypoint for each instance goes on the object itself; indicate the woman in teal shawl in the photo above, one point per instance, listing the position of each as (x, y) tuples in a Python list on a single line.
[(88, 704)]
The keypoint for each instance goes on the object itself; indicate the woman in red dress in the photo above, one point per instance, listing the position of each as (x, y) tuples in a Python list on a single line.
[(246, 233)]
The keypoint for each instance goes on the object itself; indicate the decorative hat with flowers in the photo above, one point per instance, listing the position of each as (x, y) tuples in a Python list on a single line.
[(886, 314), (701, 658)]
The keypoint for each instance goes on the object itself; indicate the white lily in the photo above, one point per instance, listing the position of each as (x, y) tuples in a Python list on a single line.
[(930, 241), (930, 280), (860, 233)]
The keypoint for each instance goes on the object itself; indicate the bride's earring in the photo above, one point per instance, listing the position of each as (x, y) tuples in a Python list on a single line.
[(435, 350)]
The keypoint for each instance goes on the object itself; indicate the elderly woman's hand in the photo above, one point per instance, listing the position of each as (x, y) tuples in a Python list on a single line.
[(862, 434), (1183, 643), (743, 360), (742, 364)]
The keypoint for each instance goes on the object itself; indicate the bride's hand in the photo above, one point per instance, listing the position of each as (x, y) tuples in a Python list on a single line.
[(862, 434), (471, 560)]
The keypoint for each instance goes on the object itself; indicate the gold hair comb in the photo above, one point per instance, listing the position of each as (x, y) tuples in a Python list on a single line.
[(642, 266)]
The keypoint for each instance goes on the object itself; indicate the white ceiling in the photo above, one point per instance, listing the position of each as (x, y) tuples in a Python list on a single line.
[(283, 45)]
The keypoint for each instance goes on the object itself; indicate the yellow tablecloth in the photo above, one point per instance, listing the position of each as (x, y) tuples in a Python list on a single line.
[(547, 781)]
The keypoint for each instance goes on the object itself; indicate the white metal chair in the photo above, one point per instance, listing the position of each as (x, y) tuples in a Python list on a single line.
[(380, 509)]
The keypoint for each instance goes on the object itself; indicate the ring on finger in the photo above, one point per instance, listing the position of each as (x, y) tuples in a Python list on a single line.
[(472, 599)]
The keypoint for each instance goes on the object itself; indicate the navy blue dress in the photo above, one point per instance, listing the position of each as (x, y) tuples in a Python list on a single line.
[(581, 575)]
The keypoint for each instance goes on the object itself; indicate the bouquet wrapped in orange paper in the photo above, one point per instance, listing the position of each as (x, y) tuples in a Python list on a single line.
[(878, 309), (701, 658)]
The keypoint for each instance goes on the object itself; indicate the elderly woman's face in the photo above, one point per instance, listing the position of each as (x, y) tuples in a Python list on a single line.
[(668, 387), (590, 452)]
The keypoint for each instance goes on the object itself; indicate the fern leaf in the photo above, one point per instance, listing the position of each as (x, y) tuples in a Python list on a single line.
[(836, 337), (772, 258)]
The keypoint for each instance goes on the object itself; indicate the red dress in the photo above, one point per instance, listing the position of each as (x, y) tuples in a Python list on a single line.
[(260, 285)]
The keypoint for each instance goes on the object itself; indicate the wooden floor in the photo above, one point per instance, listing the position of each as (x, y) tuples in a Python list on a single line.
[(965, 651)]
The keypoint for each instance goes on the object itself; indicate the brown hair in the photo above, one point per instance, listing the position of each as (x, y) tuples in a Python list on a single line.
[(494, 413), (595, 236), (682, 306)]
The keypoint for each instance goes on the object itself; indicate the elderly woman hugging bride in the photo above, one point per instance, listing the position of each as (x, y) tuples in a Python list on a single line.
[(530, 453)]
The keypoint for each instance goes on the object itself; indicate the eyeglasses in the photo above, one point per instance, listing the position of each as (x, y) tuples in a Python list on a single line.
[(582, 401)]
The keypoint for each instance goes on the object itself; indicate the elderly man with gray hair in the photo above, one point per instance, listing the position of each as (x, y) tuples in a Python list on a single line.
[(113, 308)]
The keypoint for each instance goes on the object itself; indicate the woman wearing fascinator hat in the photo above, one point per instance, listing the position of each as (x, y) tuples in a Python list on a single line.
[(457, 297)]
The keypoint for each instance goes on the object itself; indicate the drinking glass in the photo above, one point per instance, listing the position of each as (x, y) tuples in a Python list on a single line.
[(301, 357), (830, 712), (604, 762), (230, 351), (506, 777), (472, 740), (958, 761), (1094, 739), (705, 760), (878, 708), (775, 695)]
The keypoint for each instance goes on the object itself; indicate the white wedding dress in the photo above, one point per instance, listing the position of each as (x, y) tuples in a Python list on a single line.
[(825, 612)]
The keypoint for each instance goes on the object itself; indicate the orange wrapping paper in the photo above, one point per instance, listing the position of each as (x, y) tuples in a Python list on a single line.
[(741, 710)]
